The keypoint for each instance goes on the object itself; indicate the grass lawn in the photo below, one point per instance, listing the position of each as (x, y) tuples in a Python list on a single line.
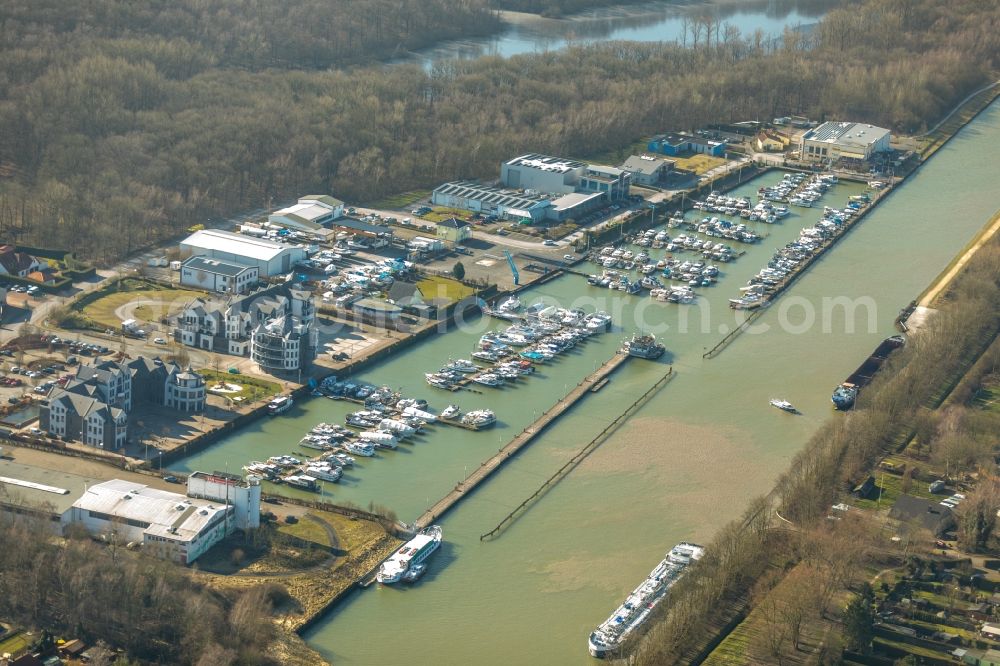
[(307, 529), (399, 201), (438, 286), (165, 303), (440, 214), (697, 164), (14, 644), (916, 650), (892, 488), (253, 387)]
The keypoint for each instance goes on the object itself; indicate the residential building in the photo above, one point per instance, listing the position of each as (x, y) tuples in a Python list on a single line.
[(93, 407), (769, 141), (168, 525), (925, 513), (218, 275), (270, 258), (454, 230), (71, 415), (647, 169), (18, 264), (311, 214), (230, 327), (677, 144), (834, 141), (486, 200), (543, 174)]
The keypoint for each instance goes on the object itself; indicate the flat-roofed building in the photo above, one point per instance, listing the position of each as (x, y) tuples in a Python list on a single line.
[(268, 257), (38, 495), (677, 144), (647, 169), (574, 206), (168, 525), (833, 141), (542, 173), (218, 275), (311, 214)]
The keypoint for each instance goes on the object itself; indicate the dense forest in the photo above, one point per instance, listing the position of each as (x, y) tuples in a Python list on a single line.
[(555, 8), (152, 609), (120, 130)]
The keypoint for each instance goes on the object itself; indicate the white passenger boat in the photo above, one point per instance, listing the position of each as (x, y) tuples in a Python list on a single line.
[(451, 412), (421, 414), (398, 428), (480, 418), (783, 405), (279, 405), (366, 449), (323, 472), (613, 632), (381, 438), (412, 553)]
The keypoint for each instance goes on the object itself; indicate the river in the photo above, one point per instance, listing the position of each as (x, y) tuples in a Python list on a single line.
[(682, 467), (648, 22)]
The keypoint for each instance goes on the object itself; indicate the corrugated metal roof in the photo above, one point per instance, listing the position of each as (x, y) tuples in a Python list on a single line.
[(215, 266)]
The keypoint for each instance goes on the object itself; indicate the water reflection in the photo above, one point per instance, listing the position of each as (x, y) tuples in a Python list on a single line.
[(652, 22)]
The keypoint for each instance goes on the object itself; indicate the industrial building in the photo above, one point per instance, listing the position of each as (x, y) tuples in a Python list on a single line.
[(556, 175), (678, 144), (575, 205), (268, 257), (218, 275), (834, 141), (244, 496), (504, 203), (166, 524), (647, 169), (310, 215)]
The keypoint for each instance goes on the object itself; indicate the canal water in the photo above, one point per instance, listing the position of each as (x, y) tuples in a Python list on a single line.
[(678, 470), (647, 22)]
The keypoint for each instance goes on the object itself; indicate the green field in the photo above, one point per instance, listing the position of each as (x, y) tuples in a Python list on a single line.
[(253, 388), (14, 644), (400, 201), (159, 302), (438, 286)]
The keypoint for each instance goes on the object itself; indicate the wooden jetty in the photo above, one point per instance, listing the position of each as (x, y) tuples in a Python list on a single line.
[(528, 435)]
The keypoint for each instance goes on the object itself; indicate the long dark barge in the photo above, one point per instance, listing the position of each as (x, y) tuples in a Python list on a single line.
[(845, 395)]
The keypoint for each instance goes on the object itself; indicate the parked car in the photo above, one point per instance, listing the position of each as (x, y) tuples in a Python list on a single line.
[(549, 242), (160, 341), (171, 479)]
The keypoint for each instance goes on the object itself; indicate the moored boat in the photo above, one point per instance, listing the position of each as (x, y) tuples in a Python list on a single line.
[(610, 636), (411, 554)]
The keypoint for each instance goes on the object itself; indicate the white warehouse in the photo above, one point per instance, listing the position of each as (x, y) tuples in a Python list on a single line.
[(268, 257), (168, 525), (834, 141)]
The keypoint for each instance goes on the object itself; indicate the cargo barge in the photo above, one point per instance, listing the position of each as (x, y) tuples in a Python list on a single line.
[(845, 395)]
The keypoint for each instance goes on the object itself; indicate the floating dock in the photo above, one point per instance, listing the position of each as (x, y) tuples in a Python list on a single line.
[(528, 435)]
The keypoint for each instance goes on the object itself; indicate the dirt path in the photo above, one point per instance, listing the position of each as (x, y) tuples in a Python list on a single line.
[(946, 279)]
